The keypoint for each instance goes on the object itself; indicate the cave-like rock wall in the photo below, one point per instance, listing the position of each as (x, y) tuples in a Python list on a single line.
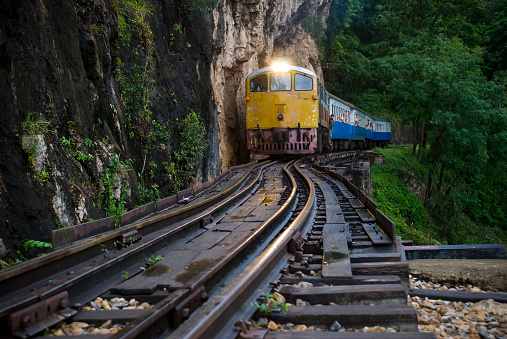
[(59, 63), (249, 35)]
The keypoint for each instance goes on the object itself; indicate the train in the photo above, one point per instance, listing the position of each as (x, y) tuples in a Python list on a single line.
[(289, 111)]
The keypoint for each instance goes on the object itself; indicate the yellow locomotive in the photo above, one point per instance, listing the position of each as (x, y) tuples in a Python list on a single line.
[(287, 111)]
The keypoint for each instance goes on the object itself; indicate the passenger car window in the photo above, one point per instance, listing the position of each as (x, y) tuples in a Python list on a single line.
[(303, 83), (259, 84), (280, 82)]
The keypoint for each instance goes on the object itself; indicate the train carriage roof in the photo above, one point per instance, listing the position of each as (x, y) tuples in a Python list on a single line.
[(332, 96), (289, 68), (357, 108)]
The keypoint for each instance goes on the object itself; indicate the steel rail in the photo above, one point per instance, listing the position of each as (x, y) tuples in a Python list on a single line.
[(208, 321), (59, 267), (137, 327)]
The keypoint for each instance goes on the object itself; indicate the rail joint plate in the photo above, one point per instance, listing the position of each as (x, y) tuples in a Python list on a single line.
[(35, 318)]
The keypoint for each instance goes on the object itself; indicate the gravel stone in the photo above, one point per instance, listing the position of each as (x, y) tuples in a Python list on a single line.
[(335, 326)]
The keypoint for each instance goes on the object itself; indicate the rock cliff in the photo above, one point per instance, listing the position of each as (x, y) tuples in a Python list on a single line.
[(95, 93)]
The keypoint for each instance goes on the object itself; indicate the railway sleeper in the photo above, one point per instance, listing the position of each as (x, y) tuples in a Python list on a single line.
[(400, 317), (359, 257), (354, 280), (399, 268), (342, 335), (387, 294)]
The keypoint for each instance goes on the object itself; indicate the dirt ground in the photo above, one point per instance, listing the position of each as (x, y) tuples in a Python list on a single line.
[(487, 274)]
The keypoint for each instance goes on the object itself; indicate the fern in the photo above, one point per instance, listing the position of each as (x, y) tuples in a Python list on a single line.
[(29, 244)]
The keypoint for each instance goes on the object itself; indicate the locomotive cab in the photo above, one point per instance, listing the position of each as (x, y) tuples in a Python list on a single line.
[(286, 111)]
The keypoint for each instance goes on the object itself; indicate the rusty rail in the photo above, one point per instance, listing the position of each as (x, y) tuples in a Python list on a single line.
[(76, 267), (221, 312)]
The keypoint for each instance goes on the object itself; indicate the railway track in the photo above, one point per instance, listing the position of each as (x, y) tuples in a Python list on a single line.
[(270, 249), (46, 290)]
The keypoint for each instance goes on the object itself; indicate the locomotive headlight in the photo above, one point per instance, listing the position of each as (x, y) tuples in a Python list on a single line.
[(280, 67), (280, 116)]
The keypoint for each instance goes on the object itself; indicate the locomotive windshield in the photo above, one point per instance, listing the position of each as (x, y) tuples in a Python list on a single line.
[(302, 82), (280, 82), (259, 84)]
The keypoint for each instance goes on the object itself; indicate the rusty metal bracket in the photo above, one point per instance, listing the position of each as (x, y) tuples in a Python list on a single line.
[(205, 221), (184, 309), (295, 243), (33, 319), (247, 333)]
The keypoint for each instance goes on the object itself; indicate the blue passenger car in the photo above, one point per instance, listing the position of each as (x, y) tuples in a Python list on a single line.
[(354, 128), (382, 131)]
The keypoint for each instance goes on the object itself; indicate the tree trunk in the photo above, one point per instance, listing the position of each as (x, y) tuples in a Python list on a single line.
[(429, 189), (450, 187), (421, 141), (415, 126), (442, 169)]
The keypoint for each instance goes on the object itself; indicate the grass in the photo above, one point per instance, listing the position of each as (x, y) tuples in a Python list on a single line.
[(395, 200), (398, 189)]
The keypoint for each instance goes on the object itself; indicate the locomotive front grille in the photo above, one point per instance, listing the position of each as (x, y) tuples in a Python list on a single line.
[(282, 141)]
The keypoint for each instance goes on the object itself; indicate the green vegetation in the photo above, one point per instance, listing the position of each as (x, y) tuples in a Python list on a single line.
[(42, 176), (126, 242), (192, 135), (34, 131), (70, 146), (437, 69), (186, 7), (451, 220), (136, 75), (115, 188), (32, 244), (152, 261), (271, 305), (33, 126)]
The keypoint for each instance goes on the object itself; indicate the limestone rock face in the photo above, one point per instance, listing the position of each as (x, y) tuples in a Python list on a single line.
[(247, 36), (59, 62)]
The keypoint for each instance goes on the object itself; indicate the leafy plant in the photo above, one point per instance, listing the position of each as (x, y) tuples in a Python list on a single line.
[(104, 249), (125, 275), (96, 28), (271, 305), (192, 134), (48, 331), (60, 224), (152, 260), (10, 262), (31, 244), (149, 195), (113, 181), (186, 7), (126, 242), (69, 145), (33, 126), (32, 140), (42, 176)]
